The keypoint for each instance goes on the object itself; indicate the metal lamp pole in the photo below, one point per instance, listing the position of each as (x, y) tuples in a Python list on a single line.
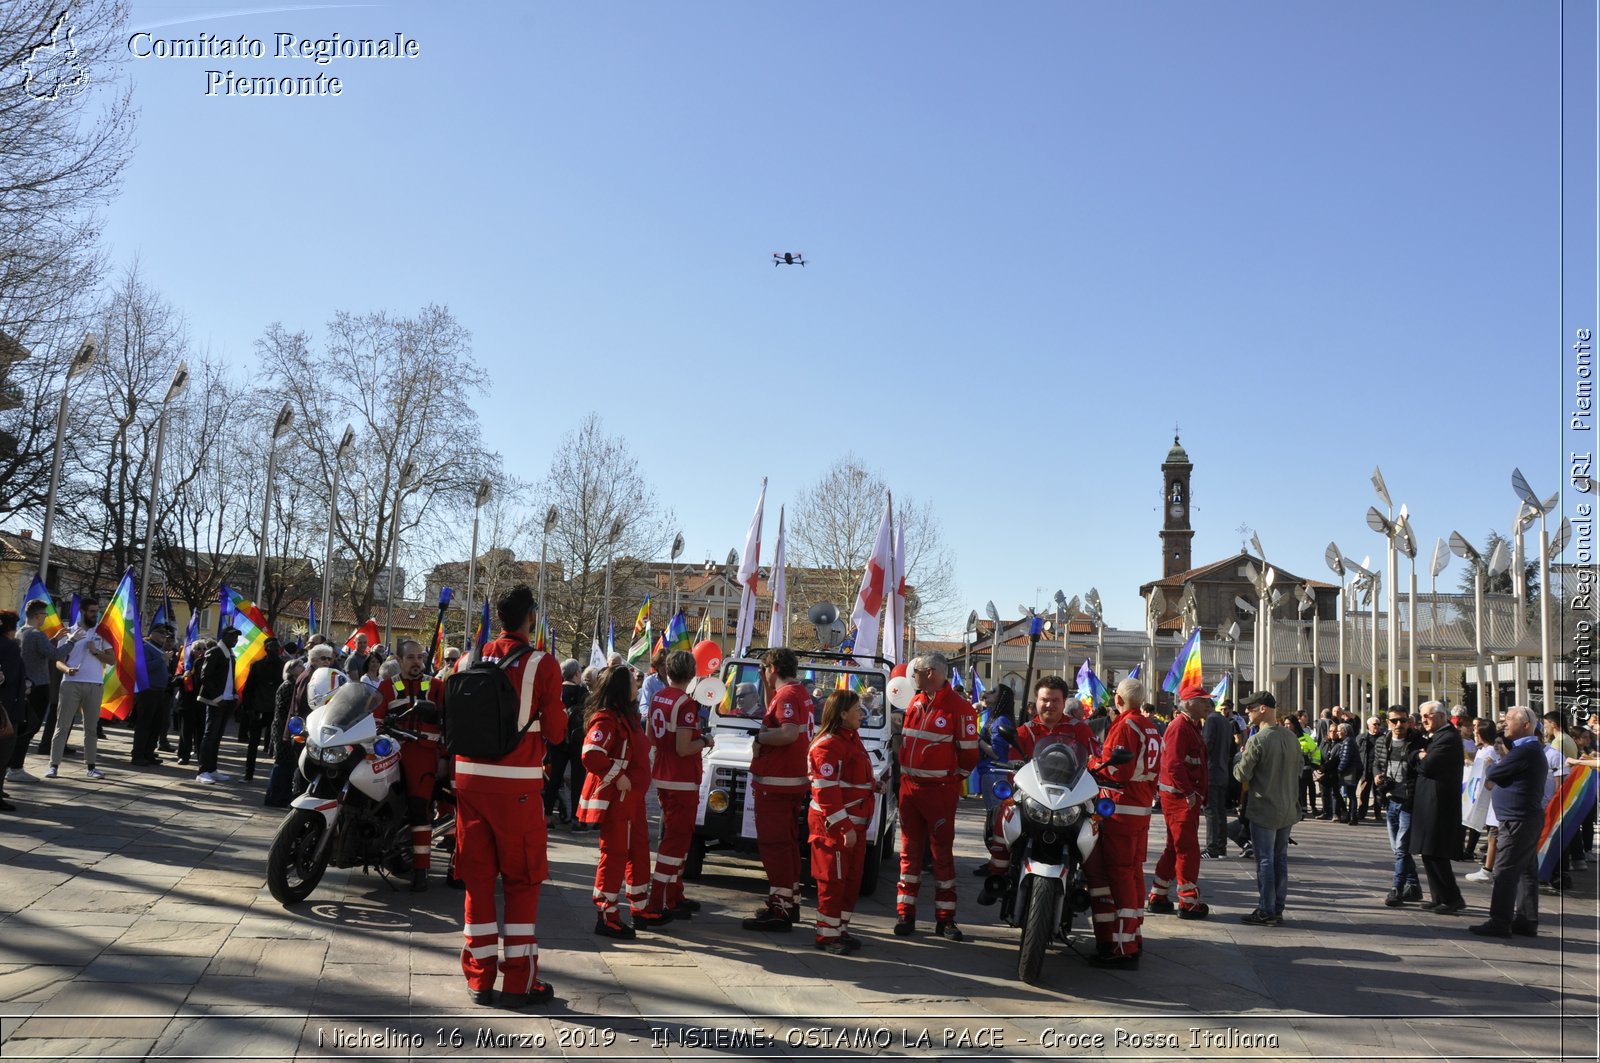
[(994, 643), (279, 427), (80, 364), (672, 582), (1335, 561), (180, 380), (479, 498), (406, 473), (345, 443), (551, 515), (1526, 493), (612, 536)]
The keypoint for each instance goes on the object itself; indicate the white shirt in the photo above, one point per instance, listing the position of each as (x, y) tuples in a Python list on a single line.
[(89, 668)]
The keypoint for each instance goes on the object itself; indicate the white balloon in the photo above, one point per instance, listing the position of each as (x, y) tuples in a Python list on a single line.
[(708, 690), (901, 691)]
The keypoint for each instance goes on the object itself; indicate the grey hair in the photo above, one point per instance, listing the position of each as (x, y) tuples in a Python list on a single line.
[(1131, 691), (590, 675), (389, 669), (932, 661), (1344, 730), (291, 669), (570, 668), (1524, 713), (1427, 708)]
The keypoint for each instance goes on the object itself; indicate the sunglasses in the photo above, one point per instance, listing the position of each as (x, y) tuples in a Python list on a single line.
[(1398, 719)]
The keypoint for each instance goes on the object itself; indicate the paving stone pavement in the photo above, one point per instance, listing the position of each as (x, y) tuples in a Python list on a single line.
[(134, 924)]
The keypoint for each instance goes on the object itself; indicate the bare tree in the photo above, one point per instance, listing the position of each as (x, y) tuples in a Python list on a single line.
[(832, 528), (402, 382), (595, 484)]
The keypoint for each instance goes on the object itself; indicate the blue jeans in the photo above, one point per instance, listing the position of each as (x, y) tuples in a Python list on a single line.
[(1405, 868), (1272, 867)]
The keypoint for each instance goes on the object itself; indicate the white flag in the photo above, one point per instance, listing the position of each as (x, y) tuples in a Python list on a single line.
[(894, 631), (778, 632), (874, 581), (597, 658), (749, 575)]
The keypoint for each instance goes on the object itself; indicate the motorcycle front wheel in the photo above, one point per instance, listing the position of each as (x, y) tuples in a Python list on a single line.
[(293, 868), (1038, 926)]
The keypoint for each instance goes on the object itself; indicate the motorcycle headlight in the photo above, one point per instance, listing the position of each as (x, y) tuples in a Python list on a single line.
[(330, 754), (1031, 809), (1066, 817), (297, 726)]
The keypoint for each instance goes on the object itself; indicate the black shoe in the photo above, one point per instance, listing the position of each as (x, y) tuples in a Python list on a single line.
[(1413, 893), (419, 880), (1453, 908), (1160, 905), (618, 931), (651, 920), (849, 940), (904, 928), (1326, 815), (7, 806), (994, 887), (946, 927), (1525, 928), (1247, 853), (835, 947), (767, 919), (482, 997), (538, 993), (682, 911), (1394, 899), (1260, 918), (167, 747), (1115, 962), (686, 905), (1490, 930), (1428, 906), (982, 871), (1199, 911)]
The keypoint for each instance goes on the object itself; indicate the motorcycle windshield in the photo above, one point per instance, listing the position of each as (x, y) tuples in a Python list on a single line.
[(1059, 762), (348, 706)]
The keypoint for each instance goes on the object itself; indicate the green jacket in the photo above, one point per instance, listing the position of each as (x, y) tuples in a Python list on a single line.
[(1308, 746), (1270, 767)]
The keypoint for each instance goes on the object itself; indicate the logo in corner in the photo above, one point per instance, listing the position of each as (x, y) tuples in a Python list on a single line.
[(51, 67)]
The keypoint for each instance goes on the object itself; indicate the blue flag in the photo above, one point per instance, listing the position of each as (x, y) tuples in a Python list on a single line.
[(224, 614), (311, 617), (191, 635), (977, 686), (75, 614)]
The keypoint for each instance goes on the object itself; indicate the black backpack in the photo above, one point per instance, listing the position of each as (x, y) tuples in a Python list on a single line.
[(481, 709)]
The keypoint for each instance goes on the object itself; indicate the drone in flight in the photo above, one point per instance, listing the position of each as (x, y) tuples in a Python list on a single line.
[(788, 258)]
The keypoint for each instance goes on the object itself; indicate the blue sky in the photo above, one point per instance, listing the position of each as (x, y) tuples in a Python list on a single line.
[(1319, 237)]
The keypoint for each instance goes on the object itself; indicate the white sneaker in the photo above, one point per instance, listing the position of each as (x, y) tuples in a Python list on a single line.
[(205, 777), (50, 772), (20, 775), (95, 773), (218, 776), (1480, 875)]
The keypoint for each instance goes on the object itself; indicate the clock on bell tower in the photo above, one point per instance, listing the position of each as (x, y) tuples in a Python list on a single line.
[(1176, 535)]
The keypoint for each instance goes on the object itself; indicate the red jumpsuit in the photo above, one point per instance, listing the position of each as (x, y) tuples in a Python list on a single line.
[(677, 782), (841, 799), (1115, 869), (615, 745), (781, 792), (414, 707), (1028, 737), (500, 829), (939, 747), (1182, 787)]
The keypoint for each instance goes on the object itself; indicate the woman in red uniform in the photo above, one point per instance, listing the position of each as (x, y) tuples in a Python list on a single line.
[(616, 754), (841, 809)]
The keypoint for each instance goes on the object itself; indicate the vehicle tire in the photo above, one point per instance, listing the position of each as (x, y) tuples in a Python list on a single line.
[(1038, 926), (293, 870), (694, 864)]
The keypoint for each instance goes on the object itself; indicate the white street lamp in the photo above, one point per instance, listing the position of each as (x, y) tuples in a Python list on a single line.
[(1441, 558), (479, 498), (1308, 600), (551, 515), (407, 471), (1335, 562), (280, 426), (994, 642), (80, 364), (1367, 581), (1408, 546), (1464, 550), (180, 381), (345, 443), (1520, 485)]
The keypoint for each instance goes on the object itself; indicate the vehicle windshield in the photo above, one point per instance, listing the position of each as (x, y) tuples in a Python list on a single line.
[(348, 705), (747, 695), (1059, 762)]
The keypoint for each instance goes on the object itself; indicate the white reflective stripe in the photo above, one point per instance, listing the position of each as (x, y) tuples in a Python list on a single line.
[(594, 804), (945, 883), (911, 880), (907, 898), (835, 817), (820, 783), (418, 850), (1123, 937), (859, 820), (594, 749), (1168, 789), (1104, 917), (670, 861), (778, 780), (1191, 760), (499, 771), (479, 929), (1100, 891), (780, 891), (1133, 810), (484, 952), (513, 951), (923, 773), (525, 698), (826, 920), (827, 931), (660, 876), (928, 736), (964, 744), (616, 769), (944, 906), (1129, 913), (1160, 884), (519, 930), (667, 784)]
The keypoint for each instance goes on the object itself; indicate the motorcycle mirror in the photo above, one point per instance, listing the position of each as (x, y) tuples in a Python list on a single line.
[(1008, 732)]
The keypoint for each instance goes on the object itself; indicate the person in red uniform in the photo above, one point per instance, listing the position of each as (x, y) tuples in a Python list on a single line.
[(1051, 719), (616, 754), (841, 810), (500, 832), (1115, 869), (675, 747), (938, 748), (411, 702), (780, 788), (1182, 788)]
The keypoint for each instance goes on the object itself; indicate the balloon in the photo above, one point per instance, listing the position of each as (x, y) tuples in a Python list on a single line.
[(899, 670), (707, 658), (708, 689), (901, 691)]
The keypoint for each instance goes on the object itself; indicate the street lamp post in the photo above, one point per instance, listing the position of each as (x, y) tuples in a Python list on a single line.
[(407, 471), (1526, 493), (551, 515), (1519, 586), (180, 380), (1308, 600), (1097, 611), (612, 535), (1368, 581), (479, 498), (1408, 546), (1390, 530), (345, 443), (994, 643), (970, 638), (80, 364), (1335, 562), (1497, 562), (1441, 558), (672, 583), (279, 427)]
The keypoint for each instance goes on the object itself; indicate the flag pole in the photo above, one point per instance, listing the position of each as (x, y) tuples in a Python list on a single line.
[(180, 380), (80, 363), (406, 472), (280, 426), (551, 515)]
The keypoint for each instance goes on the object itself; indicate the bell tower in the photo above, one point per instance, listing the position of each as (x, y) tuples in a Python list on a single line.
[(1176, 535)]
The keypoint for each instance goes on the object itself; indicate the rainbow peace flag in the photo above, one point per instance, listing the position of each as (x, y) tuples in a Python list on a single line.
[(253, 633), (51, 626), (120, 627), (1220, 693), (677, 636), (1091, 691), (1183, 679), (1563, 818)]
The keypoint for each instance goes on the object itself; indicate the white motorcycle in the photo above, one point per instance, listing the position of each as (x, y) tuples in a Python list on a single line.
[(1051, 826), (353, 813)]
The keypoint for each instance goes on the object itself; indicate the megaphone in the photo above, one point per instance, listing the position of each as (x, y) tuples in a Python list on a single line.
[(708, 690), (901, 688)]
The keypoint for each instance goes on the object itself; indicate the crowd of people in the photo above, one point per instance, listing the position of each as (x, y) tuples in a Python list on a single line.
[(592, 743)]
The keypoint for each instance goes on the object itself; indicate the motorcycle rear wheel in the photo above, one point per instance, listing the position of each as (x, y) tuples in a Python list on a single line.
[(1038, 927), (293, 868)]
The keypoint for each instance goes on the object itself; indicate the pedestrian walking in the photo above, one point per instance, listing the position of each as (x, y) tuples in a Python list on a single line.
[(1516, 785), (1269, 769), (82, 684), (1436, 809), (1393, 778)]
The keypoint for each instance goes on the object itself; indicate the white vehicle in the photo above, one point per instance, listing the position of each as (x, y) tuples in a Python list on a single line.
[(725, 820)]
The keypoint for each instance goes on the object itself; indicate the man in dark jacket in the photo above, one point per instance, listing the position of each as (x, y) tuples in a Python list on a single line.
[(1394, 762), (1516, 787), (1367, 743), (220, 698), (1217, 733), (1436, 809), (258, 700)]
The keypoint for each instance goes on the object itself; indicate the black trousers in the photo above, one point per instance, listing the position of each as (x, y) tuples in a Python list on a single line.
[(191, 727), (1441, 880), (217, 717), (566, 765), (1217, 817), (252, 730), (149, 722), (1515, 893), (1308, 792), (37, 704)]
